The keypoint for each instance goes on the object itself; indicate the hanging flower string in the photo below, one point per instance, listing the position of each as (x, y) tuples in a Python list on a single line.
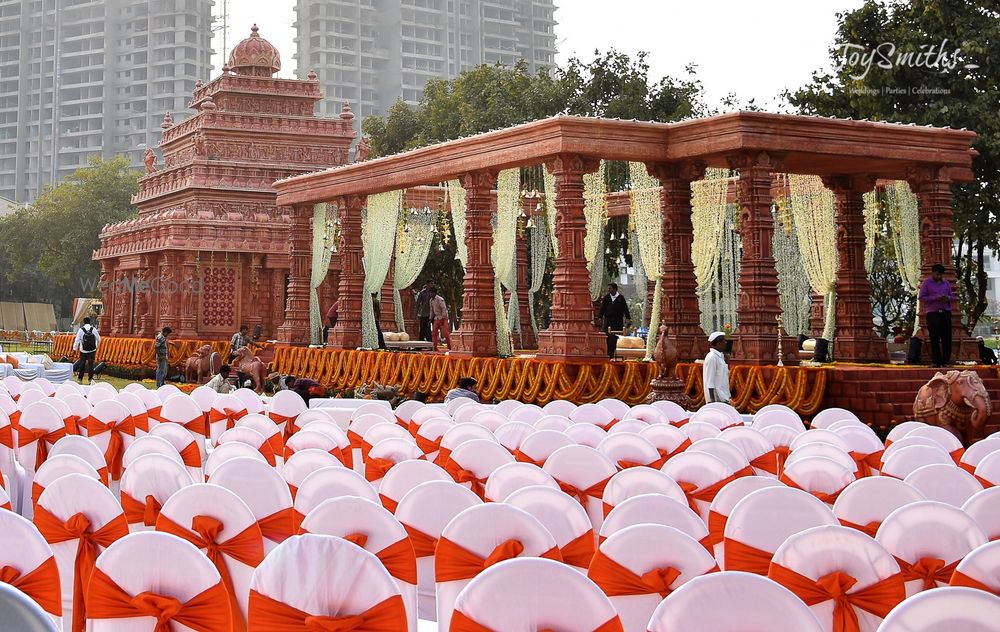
[(414, 236), (813, 211), (456, 198), (322, 249), (503, 251), (644, 198), (378, 235)]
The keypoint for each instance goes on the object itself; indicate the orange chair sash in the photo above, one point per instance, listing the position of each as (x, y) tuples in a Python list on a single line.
[(42, 438), (191, 455), (41, 584), (7, 436), (289, 422), (154, 413), (705, 494), (15, 418), (618, 581), (930, 570), (455, 563), (116, 444), (462, 475), (869, 529), (867, 462), (521, 457), (141, 421), (624, 464), (7, 506), (78, 528), (247, 547), (594, 491), (782, 452), (743, 557), (443, 455), (198, 426), (388, 503), (716, 527), (426, 445), (72, 424), (878, 598), (580, 550), (208, 610), (226, 414), (376, 468), (461, 622), (968, 467), (825, 497), (423, 544), (412, 427), (270, 615), (958, 578), (679, 422), (984, 482), (277, 527), (145, 512), (667, 455)]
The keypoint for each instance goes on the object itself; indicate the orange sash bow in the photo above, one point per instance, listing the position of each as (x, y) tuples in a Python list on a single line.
[(958, 578), (191, 455), (376, 468), (767, 462), (116, 444), (878, 598), (154, 414), (462, 475), (825, 497), (705, 494), (15, 418), (743, 557), (289, 422), (667, 455), (43, 438), (141, 421), (397, 558), (145, 512), (208, 610), (618, 581), (41, 584), (867, 462), (247, 547), (423, 544), (198, 426), (580, 550), (426, 445), (594, 491), (78, 528), (72, 424), (277, 527), (461, 622), (930, 570), (388, 503), (521, 457), (716, 527), (412, 427), (679, 422), (7, 436), (226, 414), (443, 455), (270, 615), (869, 529), (455, 563)]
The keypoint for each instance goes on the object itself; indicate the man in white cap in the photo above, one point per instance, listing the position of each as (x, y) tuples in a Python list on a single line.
[(715, 371)]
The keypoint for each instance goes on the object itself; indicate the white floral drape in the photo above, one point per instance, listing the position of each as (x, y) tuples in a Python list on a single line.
[(814, 213), (644, 198), (595, 203), (456, 197), (640, 280), (413, 244), (793, 284), (378, 235), (503, 251), (904, 224), (549, 179), (322, 249)]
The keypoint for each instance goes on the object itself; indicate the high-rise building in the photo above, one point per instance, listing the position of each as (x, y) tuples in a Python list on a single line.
[(80, 78), (373, 53)]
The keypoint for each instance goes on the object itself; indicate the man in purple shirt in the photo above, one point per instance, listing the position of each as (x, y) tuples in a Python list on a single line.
[(938, 299)]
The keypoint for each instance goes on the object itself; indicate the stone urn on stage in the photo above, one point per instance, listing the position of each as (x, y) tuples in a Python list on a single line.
[(666, 386)]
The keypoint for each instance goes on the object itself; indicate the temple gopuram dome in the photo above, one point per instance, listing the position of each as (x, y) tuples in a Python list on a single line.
[(255, 56)]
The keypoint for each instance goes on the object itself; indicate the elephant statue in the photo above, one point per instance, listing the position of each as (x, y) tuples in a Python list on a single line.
[(249, 366), (198, 368), (957, 401)]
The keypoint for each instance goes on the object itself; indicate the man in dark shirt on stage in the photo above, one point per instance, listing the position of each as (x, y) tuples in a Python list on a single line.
[(938, 299), (614, 314)]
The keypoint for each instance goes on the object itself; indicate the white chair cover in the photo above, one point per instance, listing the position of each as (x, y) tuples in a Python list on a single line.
[(490, 419), (616, 407), (823, 450), (539, 445), (227, 409), (563, 517), (668, 439), (830, 416), (865, 503), (696, 606), (636, 481), (429, 435), (330, 482), (649, 414), (984, 507), (582, 472), (726, 452), (472, 462), (632, 426), (528, 413), (954, 609), (592, 414), (552, 422), (928, 534), (628, 450), (527, 594), (778, 417), (150, 481), (510, 477), (900, 464), (655, 509), (83, 448), (700, 430), (186, 412), (187, 444), (559, 407), (944, 483), (23, 549), (973, 454), (263, 490), (980, 569), (459, 434), (305, 462), (386, 454), (901, 430), (700, 475), (464, 414), (149, 444), (818, 475), (818, 435), (250, 399), (673, 412), (506, 407), (755, 447), (511, 433), (908, 441), (988, 470), (589, 435), (482, 530), (725, 500)]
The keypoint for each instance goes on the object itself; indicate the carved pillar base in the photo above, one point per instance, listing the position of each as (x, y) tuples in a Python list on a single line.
[(571, 334), (347, 333), (669, 390), (757, 338), (295, 330), (478, 334), (855, 339)]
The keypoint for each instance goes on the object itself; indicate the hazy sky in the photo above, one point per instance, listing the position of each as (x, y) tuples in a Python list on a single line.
[(753, 49)]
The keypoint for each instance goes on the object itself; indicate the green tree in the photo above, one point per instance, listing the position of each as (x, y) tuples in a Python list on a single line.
[(54, 238), (960, 92)]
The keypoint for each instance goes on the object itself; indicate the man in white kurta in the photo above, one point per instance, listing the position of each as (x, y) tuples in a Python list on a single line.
[(715, 371)]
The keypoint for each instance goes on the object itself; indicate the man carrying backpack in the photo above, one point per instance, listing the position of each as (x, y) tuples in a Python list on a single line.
[(87, 341)]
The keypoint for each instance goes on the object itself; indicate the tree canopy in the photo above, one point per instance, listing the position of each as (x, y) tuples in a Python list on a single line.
[(613, 85), (53, 239), (929, 62)]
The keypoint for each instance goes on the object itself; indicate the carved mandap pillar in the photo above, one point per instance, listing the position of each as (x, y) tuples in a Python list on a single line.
[(347, 333), (190, 287), (679, 297), (571, 333), (478, 333), (147, 296), (854, 339), (295, 328), (932, 184), (387, 313), (527, 338), (756, 340), (254, 316)]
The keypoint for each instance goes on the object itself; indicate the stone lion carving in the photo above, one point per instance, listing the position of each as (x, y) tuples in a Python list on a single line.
[(149, 159), (364, 149), (198, 368), (957, 401), (250, 366)]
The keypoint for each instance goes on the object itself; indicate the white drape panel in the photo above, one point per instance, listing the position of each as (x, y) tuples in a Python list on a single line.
[(378, 235), (503, 251), (550, 208), (647, 217), (595, 203), (904, 223), (793, 284), (322, 249), (456, 197), (539, 244), (413, 243), (640, 280), (813, 211)]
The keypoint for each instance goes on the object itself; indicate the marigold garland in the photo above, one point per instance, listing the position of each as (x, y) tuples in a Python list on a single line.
[(137, 353)]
